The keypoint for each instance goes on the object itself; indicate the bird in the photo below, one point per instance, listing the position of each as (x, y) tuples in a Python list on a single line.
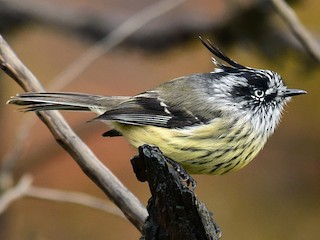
[(209, 123)]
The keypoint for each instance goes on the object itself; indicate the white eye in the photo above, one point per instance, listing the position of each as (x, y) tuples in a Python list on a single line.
[(259, 93)]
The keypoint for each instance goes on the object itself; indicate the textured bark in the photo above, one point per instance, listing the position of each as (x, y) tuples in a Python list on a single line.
[(174, 210)]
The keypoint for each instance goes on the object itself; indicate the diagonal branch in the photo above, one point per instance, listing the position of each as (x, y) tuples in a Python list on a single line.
[(114, 38), (64, 135), (108, 42), (297, 28)]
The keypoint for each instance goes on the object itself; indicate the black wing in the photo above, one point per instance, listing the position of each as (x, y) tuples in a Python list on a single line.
[(149, 109)]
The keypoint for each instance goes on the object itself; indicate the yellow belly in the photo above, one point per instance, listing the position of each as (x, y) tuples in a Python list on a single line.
[(215, 148)]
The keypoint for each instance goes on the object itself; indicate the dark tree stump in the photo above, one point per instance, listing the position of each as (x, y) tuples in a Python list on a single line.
[(174, 210)]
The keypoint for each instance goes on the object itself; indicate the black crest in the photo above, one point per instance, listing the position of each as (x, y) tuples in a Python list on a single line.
[(221, 55)]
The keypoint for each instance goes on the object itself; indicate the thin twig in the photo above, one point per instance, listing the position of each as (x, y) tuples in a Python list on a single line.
[(127, 28), (297, 28), (73, 197), (15, 193), (24, 188), (64, 135)]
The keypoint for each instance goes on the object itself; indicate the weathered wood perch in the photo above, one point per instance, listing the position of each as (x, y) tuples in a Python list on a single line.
[(174, 210)]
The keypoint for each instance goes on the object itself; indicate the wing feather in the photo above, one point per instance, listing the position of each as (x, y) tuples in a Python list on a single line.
[(149, 109)]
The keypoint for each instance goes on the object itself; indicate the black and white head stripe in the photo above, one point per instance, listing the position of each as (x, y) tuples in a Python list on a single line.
[(236, 69)]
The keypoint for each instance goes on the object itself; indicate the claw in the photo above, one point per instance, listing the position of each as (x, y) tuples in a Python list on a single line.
[(185, 177)]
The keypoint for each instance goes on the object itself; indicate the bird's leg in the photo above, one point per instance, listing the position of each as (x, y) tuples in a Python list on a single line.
[(182, 173)]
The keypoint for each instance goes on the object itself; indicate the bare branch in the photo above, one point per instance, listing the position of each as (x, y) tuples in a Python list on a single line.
[(302, 34), (15, 193), (24, 188), (97, 24), (73, 197), (64, 135), (175, 212), (113, 39), (78, 66)]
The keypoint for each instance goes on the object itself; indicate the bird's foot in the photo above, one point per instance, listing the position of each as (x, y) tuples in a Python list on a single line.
[(182, 173)]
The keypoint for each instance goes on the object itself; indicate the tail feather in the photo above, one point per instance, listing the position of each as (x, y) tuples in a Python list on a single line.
[(66, 101)]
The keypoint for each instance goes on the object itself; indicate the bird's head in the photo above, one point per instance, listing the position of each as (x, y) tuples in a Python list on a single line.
[(258, 95)]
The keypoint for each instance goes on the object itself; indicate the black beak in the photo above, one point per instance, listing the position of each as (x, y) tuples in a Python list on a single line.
[(293, 92)]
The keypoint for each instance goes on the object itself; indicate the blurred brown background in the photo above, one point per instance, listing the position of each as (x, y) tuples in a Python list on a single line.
[(277, 196)]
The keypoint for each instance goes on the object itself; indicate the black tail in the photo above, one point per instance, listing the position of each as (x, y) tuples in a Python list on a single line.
[(66, 101)]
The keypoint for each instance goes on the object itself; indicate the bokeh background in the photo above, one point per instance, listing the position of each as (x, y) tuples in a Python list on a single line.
[(277, 196)]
